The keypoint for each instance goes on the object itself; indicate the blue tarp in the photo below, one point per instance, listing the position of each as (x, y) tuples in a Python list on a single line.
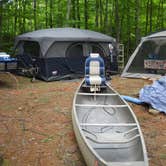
[(132, 99), (155, 94)]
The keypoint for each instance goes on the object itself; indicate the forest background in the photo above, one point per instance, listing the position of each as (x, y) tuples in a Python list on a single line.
[(125, 20)]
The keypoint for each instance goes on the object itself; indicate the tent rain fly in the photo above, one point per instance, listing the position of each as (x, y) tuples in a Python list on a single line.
[(61, 52)]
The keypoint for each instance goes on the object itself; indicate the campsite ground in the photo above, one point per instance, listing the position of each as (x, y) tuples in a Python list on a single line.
[(36, 125)]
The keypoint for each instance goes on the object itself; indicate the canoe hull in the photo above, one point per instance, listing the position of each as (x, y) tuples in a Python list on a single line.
[(104, 153)]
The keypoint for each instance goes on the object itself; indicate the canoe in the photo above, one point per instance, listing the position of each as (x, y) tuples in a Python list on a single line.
[(106, 129)]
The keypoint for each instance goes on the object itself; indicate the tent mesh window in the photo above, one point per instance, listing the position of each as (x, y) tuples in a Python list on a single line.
[(150, 58), (75, 58), (31, 48), (27, 52), (97, 49)]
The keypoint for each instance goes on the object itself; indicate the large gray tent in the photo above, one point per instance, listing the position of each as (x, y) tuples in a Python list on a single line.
[(62, 52), (149, 58)]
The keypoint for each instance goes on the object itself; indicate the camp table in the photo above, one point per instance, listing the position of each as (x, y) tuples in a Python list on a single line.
[(6, 62)]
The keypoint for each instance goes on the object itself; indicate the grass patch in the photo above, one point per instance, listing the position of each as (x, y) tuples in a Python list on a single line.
[(43, 99), (5, 162), (163, 156), (8, 107), (153, 134), (57, 109), (48, 139)]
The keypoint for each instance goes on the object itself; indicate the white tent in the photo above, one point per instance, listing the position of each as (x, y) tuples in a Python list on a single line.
[(149, 58)]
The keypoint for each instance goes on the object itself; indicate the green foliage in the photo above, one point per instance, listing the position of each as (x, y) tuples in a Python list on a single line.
[(126, 20)]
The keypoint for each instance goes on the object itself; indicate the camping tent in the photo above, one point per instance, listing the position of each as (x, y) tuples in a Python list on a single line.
[(61, 52), (149, 58)]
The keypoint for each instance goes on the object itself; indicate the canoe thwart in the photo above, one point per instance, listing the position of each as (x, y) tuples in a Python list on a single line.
[(109, 124), (97, 94), (97, 105), (112, 138)]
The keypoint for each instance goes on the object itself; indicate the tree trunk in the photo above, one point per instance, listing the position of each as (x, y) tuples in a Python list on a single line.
[(121, 23), (51, 13), (15, 18), (20, 16), (101, 15), (97, 15), (111, 22), (162, 14), (128, 30), (117, 25), (151, 15), (106, 16), (73, 14), (68, 12), (147, 17), (1, 18), (24, 14), (46, 13), (59, 17), (137, 33), (34, 14), (78, 14), (158, 15), (86, 13)]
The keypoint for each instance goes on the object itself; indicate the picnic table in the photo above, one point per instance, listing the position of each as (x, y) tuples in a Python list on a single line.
[(7, 64)]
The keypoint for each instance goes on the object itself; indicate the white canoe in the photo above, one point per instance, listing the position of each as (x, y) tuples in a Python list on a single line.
[(107, 130)]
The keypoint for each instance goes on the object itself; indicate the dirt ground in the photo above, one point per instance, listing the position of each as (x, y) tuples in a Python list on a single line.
[(36, 125)]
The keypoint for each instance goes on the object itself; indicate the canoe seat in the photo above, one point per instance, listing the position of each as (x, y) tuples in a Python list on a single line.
[(117, 138), (94, 72)]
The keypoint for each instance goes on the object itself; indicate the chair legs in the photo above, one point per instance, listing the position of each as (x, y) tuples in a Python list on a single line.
[(94, 88)]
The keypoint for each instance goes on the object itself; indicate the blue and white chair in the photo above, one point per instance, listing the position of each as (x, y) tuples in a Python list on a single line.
[(94, 72)]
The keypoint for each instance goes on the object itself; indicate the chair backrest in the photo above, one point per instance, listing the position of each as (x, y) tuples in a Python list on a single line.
[(94, 70), (94, 65)]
